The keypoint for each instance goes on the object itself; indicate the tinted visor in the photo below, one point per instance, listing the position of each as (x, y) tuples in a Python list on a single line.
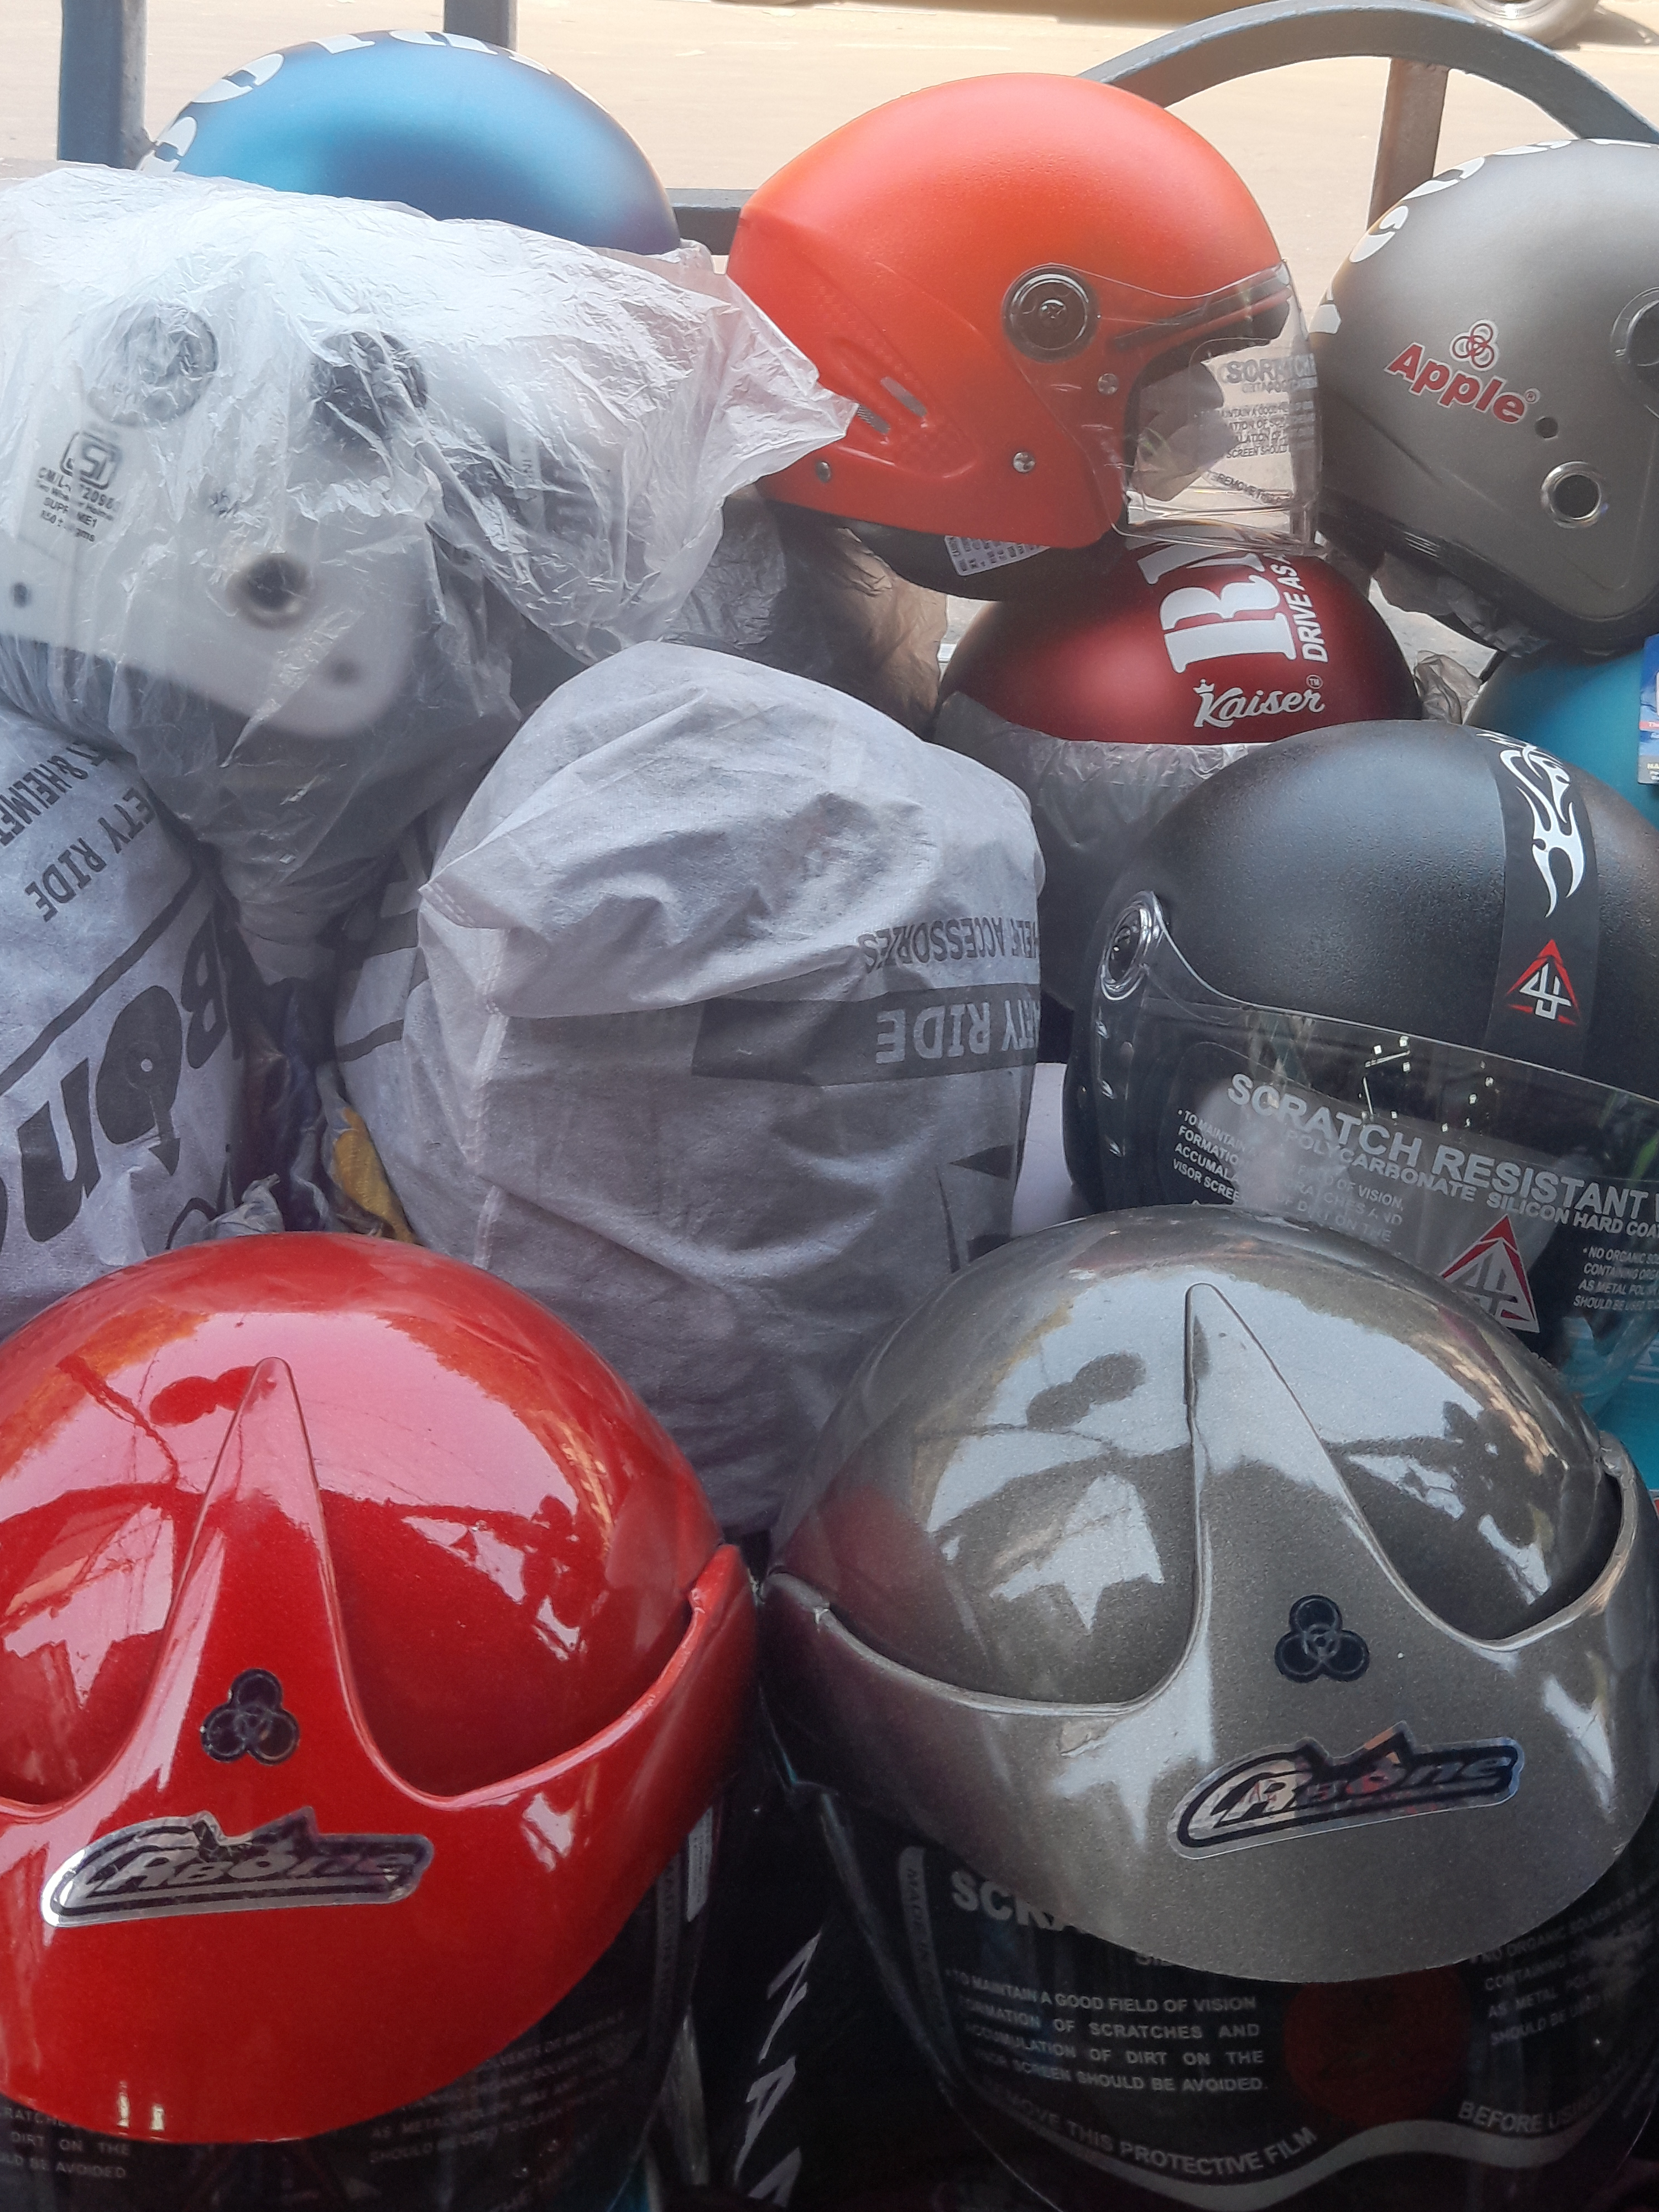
[(1214, 395), (1519, 2078), (1531, 1191), (554, 2122)]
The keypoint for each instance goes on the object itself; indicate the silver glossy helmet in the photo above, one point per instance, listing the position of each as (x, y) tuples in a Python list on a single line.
[(1145, 1582), (1488, 359)]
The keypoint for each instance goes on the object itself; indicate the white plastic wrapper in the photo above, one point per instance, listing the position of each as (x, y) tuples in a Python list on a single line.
[(713, 1028), (798, 591), (1091, 805), (287, 484), (120, 1085)]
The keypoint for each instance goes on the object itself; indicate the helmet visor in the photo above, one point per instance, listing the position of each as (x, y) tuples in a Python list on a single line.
[(1534, 1192), (557, 2119), (1081, 2064), (1202, 409)]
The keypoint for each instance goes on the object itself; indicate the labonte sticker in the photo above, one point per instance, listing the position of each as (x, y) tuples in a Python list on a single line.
[(168, 1869), (1301, 1790), (1210, 2091)]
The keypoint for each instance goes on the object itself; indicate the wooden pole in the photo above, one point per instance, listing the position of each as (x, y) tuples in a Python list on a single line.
[(1408, 144)]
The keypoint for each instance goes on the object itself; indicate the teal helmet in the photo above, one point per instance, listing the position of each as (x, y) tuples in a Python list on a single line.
[(1633, 1415), (1585, 712)]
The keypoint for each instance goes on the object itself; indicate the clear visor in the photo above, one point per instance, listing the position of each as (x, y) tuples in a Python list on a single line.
[(1202, 408), (1535, 1193), (1090, 2070)]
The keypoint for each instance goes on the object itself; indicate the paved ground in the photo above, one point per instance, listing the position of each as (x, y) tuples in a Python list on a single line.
[(721, 94)]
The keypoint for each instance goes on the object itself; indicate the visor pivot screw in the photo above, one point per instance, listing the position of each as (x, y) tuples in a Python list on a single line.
[(272, 591), (822, 472), (1125, 945), (1049, 314), (1107, 385), (1025, 463)]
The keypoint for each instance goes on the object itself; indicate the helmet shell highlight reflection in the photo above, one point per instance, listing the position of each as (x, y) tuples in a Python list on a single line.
[(368, 1655), (1143, 1581)]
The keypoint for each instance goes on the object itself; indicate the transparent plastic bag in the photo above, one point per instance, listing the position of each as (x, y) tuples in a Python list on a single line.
[(290, 487), (797, 591)]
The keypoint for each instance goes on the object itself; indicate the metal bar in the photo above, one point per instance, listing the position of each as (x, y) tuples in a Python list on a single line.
[(1281, 32), (709, 217), (1409, 140), (101, 84), (495, 21)]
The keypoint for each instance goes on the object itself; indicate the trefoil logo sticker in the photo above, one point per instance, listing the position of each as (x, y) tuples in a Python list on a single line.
[(1492, 1273), (1545, 988), (1288, 1792)]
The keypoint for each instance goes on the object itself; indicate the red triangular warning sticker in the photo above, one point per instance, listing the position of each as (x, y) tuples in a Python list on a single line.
[(1493, 1273), (1546, 989)]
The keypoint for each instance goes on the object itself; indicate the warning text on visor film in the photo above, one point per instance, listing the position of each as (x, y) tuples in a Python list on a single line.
[(1404, 1186)]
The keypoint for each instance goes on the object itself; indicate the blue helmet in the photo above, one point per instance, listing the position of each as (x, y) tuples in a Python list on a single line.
[(441, 122), (1585, 712)]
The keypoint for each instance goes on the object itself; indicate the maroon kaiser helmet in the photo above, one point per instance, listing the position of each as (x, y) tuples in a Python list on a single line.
[(1187, 648), (1106, 710)]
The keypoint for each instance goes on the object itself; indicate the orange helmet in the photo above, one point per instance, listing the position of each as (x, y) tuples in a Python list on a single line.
[(1060, 313)]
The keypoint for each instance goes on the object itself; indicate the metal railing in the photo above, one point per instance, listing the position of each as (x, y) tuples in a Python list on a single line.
[(100, 98)]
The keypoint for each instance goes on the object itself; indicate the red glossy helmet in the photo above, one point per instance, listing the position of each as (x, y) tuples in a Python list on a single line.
[(1111, 707), (339, 1579), (1059, 310)]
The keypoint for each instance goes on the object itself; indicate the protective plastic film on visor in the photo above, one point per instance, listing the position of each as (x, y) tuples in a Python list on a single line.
[(1214, 394), (1054, 2045), (1533, 1191)]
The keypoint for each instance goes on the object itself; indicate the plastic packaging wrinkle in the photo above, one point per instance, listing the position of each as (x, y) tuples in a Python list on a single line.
[(1091, 805), (798, 591), (293, 491), (713, 1028)]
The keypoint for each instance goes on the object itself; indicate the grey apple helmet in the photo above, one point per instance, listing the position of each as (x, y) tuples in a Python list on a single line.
[(1225, 1669), (1488, 363)]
